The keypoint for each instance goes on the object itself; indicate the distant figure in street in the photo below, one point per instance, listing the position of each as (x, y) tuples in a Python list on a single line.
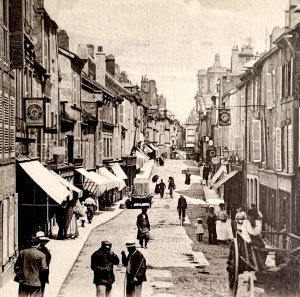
[(199, 229), (206, 171), (102, 263), (61, 219), (135, 264), (171, 186), (44, 275), (162, 187), (259, 214), (31, 263), (211, 225), (157, 161), (224, 231), (143, 226), (187, 177), (181, 207), (240, 217)]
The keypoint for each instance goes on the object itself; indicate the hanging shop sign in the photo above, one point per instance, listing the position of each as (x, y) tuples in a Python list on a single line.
[(35, 112), (216, 160), (224, 117), (211, 142)]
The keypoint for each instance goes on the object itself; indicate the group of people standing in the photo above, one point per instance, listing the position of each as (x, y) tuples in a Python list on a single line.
[(161, 186)]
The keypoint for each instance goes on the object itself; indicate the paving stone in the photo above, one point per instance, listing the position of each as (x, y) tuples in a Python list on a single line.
[(162, 285), (161, 273), (200, 258)]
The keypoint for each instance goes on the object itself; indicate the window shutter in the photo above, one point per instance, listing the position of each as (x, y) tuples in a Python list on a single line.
[(12, 128), (256, 141), (269, 91), (1, 127), (6, 127), (279, 83), (290, 162), (283, 81), (291, 76), (278, 155), (285, 148), (16, 35), (273, 88)]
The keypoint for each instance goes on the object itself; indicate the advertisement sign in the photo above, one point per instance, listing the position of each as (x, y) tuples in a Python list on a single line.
[(35, 112), (216, 160), (58, 150)]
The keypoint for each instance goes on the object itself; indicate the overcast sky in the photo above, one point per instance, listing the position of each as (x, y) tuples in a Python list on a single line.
[(168, 40)]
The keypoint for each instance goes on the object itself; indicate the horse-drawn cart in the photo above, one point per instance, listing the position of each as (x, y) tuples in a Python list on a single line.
[(246, 266)]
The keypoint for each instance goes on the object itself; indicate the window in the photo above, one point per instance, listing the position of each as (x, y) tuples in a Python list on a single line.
[(74, 89), (290, 150), (278, 155), (46, 53), (269, 91), (287, 78), (256, 141), (121, 114)]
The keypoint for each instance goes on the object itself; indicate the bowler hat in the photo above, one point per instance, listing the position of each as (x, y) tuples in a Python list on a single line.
[(106, 243)]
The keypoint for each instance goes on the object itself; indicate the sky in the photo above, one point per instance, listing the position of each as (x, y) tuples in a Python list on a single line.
[(168, 40)]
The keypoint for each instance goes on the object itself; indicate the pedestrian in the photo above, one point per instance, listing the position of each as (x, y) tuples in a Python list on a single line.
[(162, 187), (171, 186), (90, 208), (143, 226), (206, 171), (199, 229), (136, 266), (61, 219), (240, 217), (102, 263), (187, 177), (161, 161), (223, 226), (211, 225), (31, 263), (181, 207), (157, 162), (44, 275), (258, 213)]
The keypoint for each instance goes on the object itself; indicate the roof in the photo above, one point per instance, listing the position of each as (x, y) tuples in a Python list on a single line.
[(116, 87), (73, 57), (98, 85)]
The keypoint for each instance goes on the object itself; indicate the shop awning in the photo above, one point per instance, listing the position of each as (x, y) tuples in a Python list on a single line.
[(107, 182), (153, 147), (118, 171), (93, 182), (225, 179), (140, 159), (117, 181), (222, 169), (45, 180), (147, 157), (67, 184), (147, 149)]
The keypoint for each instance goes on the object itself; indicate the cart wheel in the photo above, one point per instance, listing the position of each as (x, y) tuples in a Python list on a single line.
[(233, 267)]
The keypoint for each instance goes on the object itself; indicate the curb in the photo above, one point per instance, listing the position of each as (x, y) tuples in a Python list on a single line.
[(85, 241)]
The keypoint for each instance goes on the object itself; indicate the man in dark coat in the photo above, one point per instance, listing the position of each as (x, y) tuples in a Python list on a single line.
[(135, 264), (61, 219), (102, 262), (162, 187), (206, 171), (44, 275), (143, 226), (28, 268), (181, 207)]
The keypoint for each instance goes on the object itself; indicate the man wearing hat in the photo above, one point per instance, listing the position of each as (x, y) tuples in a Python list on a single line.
[(102, 262), (44, 275), (135, 264), (211, 225), (30, 264), (181, 207)]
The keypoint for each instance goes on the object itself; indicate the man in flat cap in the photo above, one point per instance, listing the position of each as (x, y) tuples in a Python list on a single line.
[(102, 262), (135, 264)]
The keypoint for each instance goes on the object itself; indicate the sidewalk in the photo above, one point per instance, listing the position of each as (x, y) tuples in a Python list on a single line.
[(65, 252)]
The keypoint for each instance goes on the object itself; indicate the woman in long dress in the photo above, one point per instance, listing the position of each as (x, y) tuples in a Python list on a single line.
[(223, 226)]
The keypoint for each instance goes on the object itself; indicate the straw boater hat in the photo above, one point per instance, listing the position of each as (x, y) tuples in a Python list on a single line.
[(211, 206), (130, 243), (40, 235)]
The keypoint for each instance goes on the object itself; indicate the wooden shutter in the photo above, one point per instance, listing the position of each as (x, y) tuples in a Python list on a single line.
[(121, 114), (12, 128), (290, 153), (256, 141), (273, 88), (269, 91), (279, 83), (278, 154), (16, 35), (291, 76), (1, 126), (285, 148), (6, 129)]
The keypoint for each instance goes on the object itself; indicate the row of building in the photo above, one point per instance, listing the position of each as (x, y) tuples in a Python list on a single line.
[(72, 125), (246, 125)]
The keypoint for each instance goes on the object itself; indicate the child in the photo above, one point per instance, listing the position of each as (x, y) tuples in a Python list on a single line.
[(199, 229)]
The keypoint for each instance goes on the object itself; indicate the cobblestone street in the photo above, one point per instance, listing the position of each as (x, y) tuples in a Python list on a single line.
[(173, 265)]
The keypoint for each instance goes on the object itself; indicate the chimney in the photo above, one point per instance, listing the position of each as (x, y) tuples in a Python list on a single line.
[(100, 65), (110, 64), (63, 39)]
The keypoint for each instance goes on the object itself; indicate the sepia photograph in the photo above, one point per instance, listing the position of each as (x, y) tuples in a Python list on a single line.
[(149, 148)]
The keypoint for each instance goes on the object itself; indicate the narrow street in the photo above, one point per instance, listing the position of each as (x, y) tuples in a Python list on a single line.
[(176, 265)]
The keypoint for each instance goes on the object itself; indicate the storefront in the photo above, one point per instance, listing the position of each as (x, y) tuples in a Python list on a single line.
[(40, 195)]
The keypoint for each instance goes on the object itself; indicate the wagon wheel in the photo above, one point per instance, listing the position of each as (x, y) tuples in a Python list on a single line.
[(233, 267)]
